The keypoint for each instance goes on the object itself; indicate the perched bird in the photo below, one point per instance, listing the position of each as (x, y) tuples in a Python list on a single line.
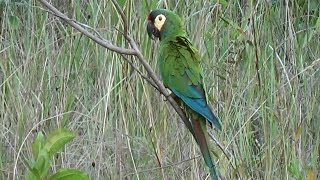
[(180, 70)]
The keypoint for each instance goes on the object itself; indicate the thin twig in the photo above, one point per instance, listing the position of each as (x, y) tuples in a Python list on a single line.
[(139, 72), (156, 83), (123, 17), (227, 153), (161, 87), (123, 51), (165, 166), (134, 51), (152, 75), (103, 42)]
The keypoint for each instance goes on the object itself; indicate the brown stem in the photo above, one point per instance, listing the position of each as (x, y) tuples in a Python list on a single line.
[(103, 42), (134, 51)]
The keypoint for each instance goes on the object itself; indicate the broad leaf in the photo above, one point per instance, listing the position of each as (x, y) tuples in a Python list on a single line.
[(42, 164), (57, 139), (69, 174), (37, 145), (33, 174)]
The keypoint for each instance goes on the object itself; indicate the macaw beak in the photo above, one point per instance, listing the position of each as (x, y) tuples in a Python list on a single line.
[(153, 32)]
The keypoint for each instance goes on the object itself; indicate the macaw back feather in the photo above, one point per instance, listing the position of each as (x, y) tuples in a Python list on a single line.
[(181, 72)]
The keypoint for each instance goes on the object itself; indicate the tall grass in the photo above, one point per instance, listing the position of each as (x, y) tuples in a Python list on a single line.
[(261, 68)]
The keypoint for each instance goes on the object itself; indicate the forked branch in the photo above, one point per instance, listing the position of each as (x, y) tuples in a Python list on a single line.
[(134, 50)]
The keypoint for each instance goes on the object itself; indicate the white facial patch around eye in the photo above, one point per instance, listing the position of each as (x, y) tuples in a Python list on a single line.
[(159, 21)]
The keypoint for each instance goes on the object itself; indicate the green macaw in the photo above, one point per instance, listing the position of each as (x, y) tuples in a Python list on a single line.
[(180, 70)]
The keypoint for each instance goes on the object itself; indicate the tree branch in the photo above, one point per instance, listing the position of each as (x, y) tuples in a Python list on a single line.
[(227, 153), (139, 72), (103, 42), (123, 17), (134, 51)]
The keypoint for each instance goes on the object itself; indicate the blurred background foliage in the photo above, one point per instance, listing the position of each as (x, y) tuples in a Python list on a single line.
[(261, 64)]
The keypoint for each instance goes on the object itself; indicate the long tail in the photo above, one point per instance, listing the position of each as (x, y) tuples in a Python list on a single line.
[(199, 126)]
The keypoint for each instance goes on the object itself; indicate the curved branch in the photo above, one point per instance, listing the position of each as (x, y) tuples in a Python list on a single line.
[(123, 17), (139, 72), (134, 51), (151, 73), (77, 26), (160, 85)]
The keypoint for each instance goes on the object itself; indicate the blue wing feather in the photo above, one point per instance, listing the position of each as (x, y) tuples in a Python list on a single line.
[(199, 105)]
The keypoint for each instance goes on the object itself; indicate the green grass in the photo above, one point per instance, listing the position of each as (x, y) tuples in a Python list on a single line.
[(262, 79)]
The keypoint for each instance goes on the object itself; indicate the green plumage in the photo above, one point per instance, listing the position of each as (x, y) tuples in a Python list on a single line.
[(179, 65), (180, 70)]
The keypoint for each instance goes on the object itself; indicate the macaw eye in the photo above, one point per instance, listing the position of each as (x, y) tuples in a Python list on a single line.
[(159, 21)]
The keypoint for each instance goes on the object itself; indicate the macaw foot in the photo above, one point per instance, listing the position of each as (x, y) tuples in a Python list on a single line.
[(170, 92), (165, 97), (170, 95)]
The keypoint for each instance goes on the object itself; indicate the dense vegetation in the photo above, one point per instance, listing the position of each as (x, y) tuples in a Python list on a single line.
[(261, 64)]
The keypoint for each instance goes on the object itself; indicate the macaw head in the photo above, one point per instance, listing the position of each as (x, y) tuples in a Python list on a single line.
[(163, 23)]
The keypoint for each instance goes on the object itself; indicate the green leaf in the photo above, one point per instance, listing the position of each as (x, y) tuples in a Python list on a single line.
[(57, 139), (69, 174), (43, 163), (33, 174), (14, 22), (41, 167), (293, 168), (121, 3), (318, 24), (38, 144), (148, 5), (224, 3)]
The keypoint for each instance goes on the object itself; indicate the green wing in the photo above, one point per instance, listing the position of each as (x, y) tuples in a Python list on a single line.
[(181, 73)]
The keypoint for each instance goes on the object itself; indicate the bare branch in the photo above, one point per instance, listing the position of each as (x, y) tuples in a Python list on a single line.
[(74, 24), (139, 72), (161, 87), (154, 81), (165, 166), (134, 51), (152, 75), (123, 17), (226, 153)]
